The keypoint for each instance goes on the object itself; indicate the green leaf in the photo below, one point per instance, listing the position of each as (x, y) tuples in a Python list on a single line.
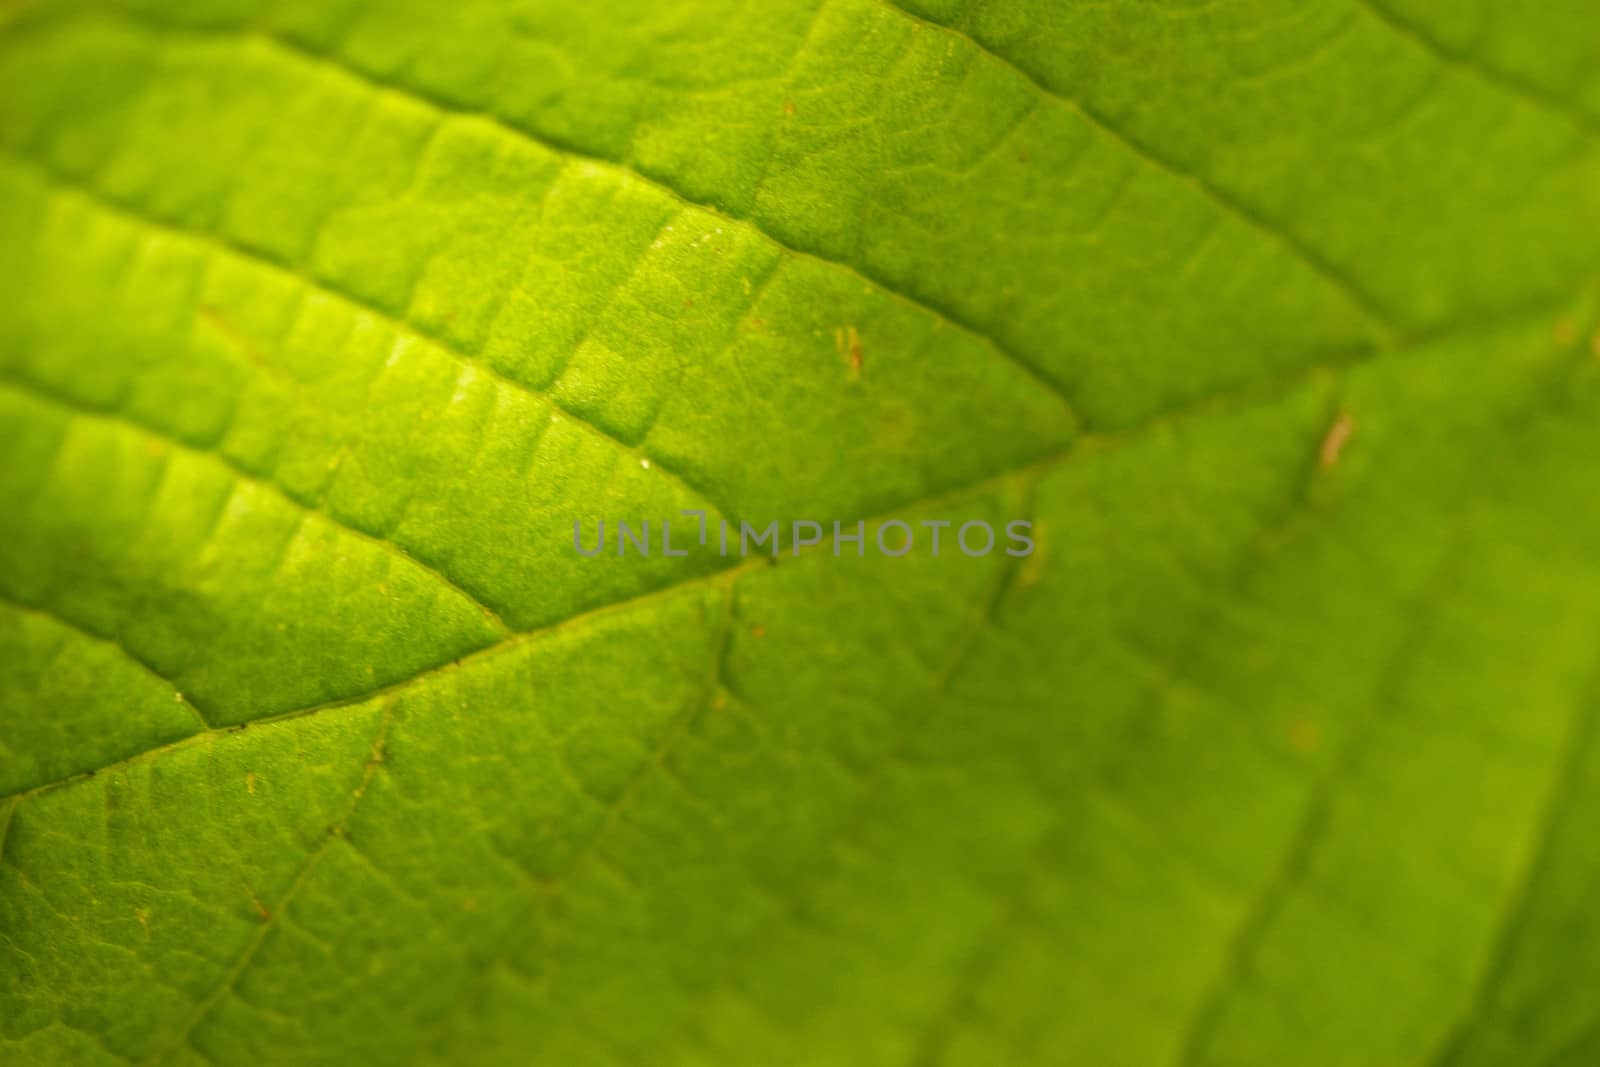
[(324, 323)]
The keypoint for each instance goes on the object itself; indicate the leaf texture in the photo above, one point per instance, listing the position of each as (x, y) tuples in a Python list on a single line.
[(324, 323)]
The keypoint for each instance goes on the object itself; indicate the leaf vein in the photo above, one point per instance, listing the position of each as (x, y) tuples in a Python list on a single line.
[(937, 310), (76, 408), (144, 665), (1504, 81), (1383, 320), (252, 947), (1568, 779), (135, 213), (1086, 445)]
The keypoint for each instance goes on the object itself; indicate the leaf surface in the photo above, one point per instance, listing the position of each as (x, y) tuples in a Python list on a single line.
[(319, 744)]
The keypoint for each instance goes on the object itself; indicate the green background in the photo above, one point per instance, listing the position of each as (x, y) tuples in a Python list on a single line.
[(322, 322)]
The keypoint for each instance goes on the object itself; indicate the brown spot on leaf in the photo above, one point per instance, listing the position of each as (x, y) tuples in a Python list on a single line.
[(250, 782), (849, 345), (261, 909), (1334, 443)]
